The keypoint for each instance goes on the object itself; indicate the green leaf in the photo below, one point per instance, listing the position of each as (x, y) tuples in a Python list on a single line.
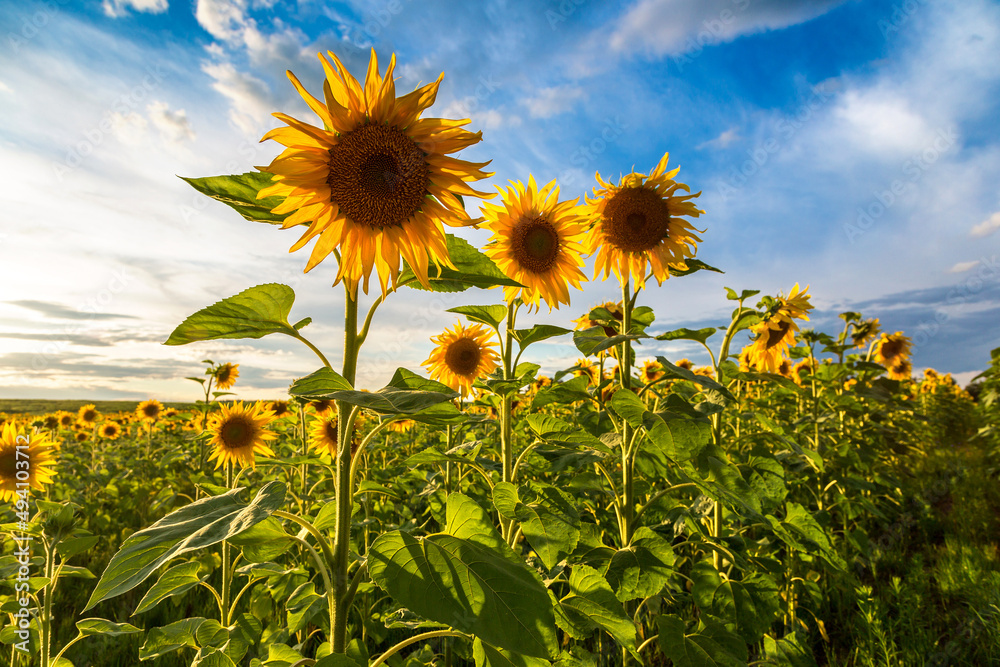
[(748, 607), (490, 656), (469, 579), (629, 407), (539, 332), (407, 379), (320, 384), (253, 313), (710, 646), (714, 391), (550, 520), (690, 266), (100, 626), (789, 651), (557, 432), (801, 531), (201, 524), (643, 568), (212, 657), (592, 596), (593, 340), (336, 660), (177, 635), (700, 335), (239, 191), (745, 294), (74, 546), (175, 581), (263, 542), (472, 269), (562, 392), (680, 438), (393, 400), (491, 316)]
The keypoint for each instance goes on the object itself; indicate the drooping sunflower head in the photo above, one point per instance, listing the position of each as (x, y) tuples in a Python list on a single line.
[(651, 371), (777, 330), (88, 415), (638, 223), (51, 422), (225, 375), (536, 241), (901, 369), (239, 432), (865, 331), (39, 456), (375, 180), (110, 430), (149, 411), (614, 309), (462, 355), (801, 370), (892, 347), (785, 369)]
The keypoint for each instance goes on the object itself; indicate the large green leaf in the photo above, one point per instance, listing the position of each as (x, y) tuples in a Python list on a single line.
[(472, 269), (562, 392), (253, 313), (320, 384), (801, 531), (100, 626), (789, 651), (629, 407), (710, 646), (592, 596), (748, 607), (643, 568), (680, 438), (714, 391), (539, 332), (469, 579), (700, 335), (548, 517), (492, 315), (593, 340), (175, 581), (177, 635), (201, 524), (239, 191), (490, 656), (690, 266), (401, 396)]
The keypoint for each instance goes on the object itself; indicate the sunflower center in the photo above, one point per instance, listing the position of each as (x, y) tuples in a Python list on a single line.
[(330, 431), (535, 244), (89, 415), (378, 176), (151, 411), (462, 357), (891, 349), (775, 336), (236, 433), (8, 467), (636, 219)]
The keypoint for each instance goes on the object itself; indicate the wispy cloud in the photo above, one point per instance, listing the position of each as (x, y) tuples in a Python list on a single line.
[(120, 8), (986, 227), (61, 312)]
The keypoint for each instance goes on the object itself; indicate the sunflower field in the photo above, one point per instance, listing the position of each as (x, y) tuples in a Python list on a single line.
[(801, 500)]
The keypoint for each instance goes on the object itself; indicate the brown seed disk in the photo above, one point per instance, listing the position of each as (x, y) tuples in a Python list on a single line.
[(535, 244), (378, 176), (636, 219), (462, 356), (236, 432), (774, 336)]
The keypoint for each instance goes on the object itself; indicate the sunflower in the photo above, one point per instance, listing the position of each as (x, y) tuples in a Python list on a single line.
[(890, 348), (462, 355), (323, 434), (225, 375), (40, 452), (170, 412), (321, 406), (66, 419), (865, 332), (686, 364), (651, 371), (744, 360), (149, 411), (637, 223), (588, 369), (541, 382), (705, 371), (375, 180), (82, 436), (239, 432), (88, 415), (402, 425), (279, 408), (51, 422), (110, 430), (777, 331), (797, 369), (536, 241), (900, 369), (785, 369)]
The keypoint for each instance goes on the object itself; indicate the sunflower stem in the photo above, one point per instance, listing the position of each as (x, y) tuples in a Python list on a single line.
[(506, 427), (624, 380), (226, 573)]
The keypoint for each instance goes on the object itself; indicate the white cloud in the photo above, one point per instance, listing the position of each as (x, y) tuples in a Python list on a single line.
[(119, 8), (962, 267), (250, 98), (986, 227), (679, 26), (128, 128), (881, 121), (553, 101), (4, 88), (223, 19), (174, 126), (721, 141)]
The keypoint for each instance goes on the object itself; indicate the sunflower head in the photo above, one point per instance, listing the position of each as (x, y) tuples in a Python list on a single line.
[(225, 375), (777, 330), (402, 425), (541, 382), (686, 364), (88, 415), (901, 369), (638, 224), (279, 408), (239, 432), (463, 354), (536, 242), (375, 179), (614, 309), (66, 419), (39, 455), (110, 430), (892, 347), (865, 331), (744, 360), (322, 406), (587, 368), (51, 422), (323, 434), (149, 411), (651, 371)]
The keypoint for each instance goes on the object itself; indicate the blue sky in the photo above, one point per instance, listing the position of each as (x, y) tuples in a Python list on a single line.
[(851, 146)]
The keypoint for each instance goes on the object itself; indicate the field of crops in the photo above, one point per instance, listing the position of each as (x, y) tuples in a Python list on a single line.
[(800, 500)]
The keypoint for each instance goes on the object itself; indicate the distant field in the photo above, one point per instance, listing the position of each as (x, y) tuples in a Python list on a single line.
[(37, 406)]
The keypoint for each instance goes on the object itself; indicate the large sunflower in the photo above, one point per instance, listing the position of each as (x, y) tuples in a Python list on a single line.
[(33, 463), (536, 241), (323, 434), (239, 432), (88, 415), (149, 411), (890, 348), (110, 430), (637, 224), (225, 375), (777, 332), (376, 181), (462, 355)]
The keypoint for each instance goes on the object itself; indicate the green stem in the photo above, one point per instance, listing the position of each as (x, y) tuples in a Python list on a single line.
[(226, 565), (506, 426), (413, 640), (624, 379), (46, 620)]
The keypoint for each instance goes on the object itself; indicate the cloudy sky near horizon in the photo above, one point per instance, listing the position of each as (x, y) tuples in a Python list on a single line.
[(851, 145)]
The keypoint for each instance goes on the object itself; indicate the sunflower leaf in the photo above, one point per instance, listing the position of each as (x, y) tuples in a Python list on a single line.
[(472, 269), (253, 313), (713, 390), (320, 384), (491, 315), (239, 192), (593, 340), (700, 335), (539, 332), (690, 266)]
